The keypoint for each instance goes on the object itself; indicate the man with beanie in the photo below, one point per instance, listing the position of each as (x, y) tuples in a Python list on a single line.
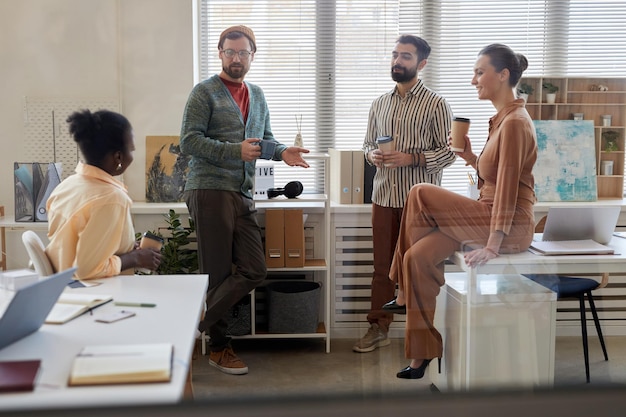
[(225, 118)]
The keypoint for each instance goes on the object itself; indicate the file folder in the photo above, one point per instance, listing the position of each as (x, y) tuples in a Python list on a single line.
[(275, 238), (294, 238)]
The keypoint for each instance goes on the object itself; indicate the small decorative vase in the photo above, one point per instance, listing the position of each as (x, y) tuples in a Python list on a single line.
[(550, 98)]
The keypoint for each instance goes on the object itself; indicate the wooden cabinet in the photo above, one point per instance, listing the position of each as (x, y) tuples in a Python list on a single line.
[(591, 99)]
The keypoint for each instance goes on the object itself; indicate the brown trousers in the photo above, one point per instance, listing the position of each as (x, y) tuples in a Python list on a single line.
[(436, 223), (385, 230)]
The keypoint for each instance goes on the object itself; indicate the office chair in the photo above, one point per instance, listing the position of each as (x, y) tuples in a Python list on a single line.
[(36, 252), (573, 287)]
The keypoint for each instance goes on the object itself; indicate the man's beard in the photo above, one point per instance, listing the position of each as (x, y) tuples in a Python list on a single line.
[(237, 72), (401, 77)]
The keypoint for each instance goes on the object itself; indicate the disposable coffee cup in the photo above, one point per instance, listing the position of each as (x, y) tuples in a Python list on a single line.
[(151, 241), (385, 144), (460, 127), (267, 148)]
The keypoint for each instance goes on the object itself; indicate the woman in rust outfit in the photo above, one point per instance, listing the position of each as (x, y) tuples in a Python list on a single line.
[(437, 222)]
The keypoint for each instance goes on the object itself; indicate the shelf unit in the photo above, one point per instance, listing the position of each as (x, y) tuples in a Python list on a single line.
[(593, 97), (317, 207)]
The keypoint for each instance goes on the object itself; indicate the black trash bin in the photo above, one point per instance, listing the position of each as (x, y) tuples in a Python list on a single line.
[(293, 306)]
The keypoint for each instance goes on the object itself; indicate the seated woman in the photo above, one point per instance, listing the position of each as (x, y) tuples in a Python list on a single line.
[(89, 221), (437, 222)]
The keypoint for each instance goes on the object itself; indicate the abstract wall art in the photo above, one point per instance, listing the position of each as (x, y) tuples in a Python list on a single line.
[(566, 161)]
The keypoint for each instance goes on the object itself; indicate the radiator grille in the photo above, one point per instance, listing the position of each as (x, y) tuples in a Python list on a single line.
[(353, 266)]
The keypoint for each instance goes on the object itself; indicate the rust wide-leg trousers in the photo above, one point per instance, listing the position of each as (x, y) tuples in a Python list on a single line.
[(436, 223)]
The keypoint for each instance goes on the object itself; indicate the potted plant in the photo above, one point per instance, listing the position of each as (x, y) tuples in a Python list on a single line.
[(551, 90), (176, 255), (524, 90), (610, 138)]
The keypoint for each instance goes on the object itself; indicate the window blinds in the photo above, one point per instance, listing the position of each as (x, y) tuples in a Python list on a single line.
[(327, 60)]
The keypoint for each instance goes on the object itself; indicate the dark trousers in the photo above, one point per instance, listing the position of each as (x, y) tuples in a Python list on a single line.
[(230, 251), (385, 230)]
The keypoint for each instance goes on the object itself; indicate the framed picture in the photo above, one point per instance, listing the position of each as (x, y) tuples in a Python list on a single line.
[(566, 161), (166, 169)]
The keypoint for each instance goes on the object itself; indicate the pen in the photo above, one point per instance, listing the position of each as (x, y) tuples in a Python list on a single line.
[(128, 304), (471, 179)]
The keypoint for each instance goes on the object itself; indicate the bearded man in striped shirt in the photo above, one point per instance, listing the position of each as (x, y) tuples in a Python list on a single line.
[(418, 121)]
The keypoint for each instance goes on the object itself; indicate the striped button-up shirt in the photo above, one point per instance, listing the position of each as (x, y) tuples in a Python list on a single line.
[(419, 123)]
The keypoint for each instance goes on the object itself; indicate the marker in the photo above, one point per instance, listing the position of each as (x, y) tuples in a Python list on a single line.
[(125, 304)]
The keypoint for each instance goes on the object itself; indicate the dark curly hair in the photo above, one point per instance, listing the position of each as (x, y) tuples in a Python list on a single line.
[(98, 134)]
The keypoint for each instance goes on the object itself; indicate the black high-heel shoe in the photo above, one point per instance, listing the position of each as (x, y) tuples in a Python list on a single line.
[(394, 307), (417, 373)]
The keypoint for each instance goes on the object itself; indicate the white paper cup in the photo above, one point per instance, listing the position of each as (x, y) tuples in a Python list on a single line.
[(385, 144), (460, 127)]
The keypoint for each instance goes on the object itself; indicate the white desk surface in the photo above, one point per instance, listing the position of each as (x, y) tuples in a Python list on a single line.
[(179, 303), (529, 263)]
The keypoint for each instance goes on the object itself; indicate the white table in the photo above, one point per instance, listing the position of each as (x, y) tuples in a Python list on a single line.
[(472, 300), (179, 303), (529, 263)]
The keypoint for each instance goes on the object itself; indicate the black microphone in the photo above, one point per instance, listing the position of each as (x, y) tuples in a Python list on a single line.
[(291, 190)]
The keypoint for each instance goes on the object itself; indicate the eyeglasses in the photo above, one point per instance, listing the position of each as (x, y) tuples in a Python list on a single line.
[(243, 54)]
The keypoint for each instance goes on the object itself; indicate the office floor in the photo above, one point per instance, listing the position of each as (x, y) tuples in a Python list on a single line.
[(284, 368)]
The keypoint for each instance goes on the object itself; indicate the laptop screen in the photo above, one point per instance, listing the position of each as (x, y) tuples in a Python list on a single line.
[(30, 306), (581, 222)]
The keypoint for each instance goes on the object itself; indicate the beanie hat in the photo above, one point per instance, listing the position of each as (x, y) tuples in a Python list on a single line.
[(239, 28)]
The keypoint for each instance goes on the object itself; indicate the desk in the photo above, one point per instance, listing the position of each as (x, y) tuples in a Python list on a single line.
[(179, 300), (514, 264)]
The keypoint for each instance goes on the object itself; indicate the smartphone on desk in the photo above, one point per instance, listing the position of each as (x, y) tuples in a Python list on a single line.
[(115, 316)]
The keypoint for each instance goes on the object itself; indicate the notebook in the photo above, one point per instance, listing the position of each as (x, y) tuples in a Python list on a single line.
[(581, 222), (30, 306), (19, 375), (72, 305), (122, 364)]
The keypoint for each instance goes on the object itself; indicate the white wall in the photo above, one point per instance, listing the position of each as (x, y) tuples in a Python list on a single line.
[(139, 50)]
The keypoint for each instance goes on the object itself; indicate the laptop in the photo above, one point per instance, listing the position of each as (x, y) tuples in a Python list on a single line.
[(581, 222), (30, 306)]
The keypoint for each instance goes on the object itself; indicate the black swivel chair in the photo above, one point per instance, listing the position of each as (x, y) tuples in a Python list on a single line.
[(573, 287)]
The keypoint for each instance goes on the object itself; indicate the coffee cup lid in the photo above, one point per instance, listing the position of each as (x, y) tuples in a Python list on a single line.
[(384, 139), (461, 119), (153, 236)]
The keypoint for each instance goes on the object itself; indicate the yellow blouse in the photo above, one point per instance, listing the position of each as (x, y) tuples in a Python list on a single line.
[(89, 224)]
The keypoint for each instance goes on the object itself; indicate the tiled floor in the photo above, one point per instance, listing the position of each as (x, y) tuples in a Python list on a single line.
[(280, 369)]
